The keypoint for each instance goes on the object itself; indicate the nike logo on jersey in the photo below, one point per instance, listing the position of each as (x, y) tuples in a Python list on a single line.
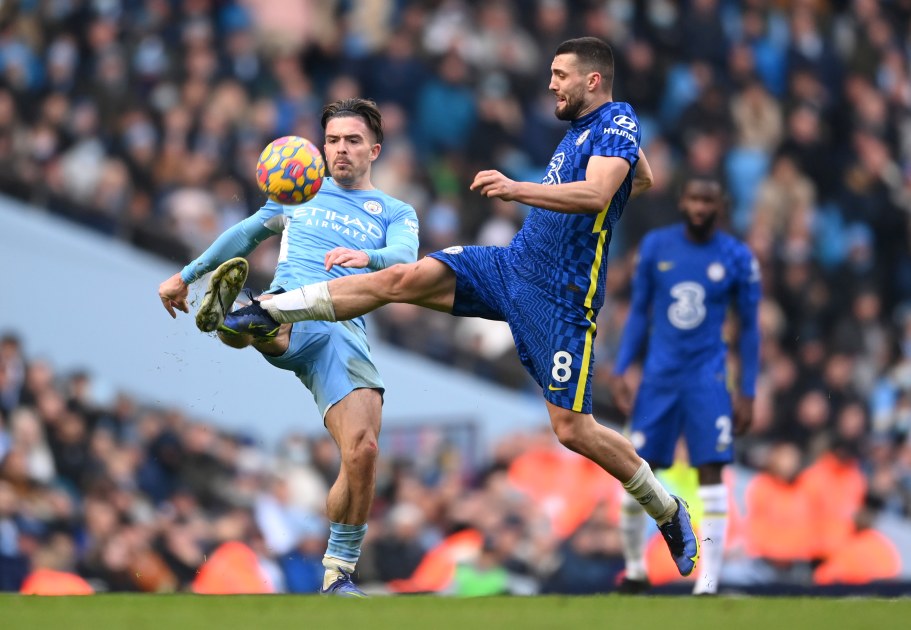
[(556, 389), (665, 265)]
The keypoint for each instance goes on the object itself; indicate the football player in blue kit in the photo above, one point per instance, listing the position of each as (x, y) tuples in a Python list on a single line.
[(548, 284), (687, 275), (349, 228)]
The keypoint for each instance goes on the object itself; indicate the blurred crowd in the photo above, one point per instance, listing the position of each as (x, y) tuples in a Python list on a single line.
[(132, 497), (143, 119)]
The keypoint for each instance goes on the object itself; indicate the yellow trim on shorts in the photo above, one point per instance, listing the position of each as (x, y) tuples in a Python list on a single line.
[(590, 313)]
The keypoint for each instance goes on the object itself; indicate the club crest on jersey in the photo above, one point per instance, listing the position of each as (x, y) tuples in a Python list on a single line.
[(582, 137), (715, 272), (455, 249), (373, 207), (625, 122), (553, 170)]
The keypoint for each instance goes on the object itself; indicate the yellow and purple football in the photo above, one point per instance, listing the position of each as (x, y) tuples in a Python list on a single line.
[(290, 170)]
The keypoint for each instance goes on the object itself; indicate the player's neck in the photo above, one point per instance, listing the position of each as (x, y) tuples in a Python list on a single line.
[(700, 238), (602, 100), (363, 183)]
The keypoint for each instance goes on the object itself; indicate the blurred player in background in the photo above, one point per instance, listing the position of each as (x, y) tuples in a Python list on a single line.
[(347, 229), (686, 277), (548, 284)]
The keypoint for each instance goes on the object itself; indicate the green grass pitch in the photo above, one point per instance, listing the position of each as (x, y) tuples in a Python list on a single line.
[(176, 612)]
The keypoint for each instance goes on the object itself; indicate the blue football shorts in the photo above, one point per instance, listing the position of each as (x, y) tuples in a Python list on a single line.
[(553, 338), (331, 359), (699, 409)]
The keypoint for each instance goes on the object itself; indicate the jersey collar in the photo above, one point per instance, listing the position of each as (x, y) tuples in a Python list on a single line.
[(590, 116)]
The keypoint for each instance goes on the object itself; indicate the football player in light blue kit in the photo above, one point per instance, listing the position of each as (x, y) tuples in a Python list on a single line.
[(686, 277), (548, 284), (348, 228)]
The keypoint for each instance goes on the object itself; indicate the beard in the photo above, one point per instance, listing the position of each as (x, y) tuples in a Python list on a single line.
[(345, 176), (702, 230), (571, 109)]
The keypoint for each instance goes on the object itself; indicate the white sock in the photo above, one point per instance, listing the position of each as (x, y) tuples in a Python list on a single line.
[(714, 527), (309, 302), (632, 533), (332, 566), (651, 495)]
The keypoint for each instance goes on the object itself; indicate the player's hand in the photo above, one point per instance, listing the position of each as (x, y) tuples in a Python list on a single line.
[(494, 184), (344, 257), (622, 393), (173, 293), (743, 414)]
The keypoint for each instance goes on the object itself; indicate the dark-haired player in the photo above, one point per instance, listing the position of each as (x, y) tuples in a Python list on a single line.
[(548, 284), (349, 228), (687, 276)]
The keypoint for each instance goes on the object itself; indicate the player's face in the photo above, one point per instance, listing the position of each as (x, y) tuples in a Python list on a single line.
[(568, 83), (701, 203), (350, 150)]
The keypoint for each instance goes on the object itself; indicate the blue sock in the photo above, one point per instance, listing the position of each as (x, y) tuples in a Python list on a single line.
[(345, 541)]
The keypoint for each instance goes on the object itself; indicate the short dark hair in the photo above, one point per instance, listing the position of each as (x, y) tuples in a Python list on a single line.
[(594, 55), (362, 107), (714, 179)]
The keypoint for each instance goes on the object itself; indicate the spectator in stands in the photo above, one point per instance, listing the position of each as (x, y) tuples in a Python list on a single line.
[(114, 117)]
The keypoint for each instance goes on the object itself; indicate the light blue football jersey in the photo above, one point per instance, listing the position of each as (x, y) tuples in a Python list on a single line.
[(335, 217)]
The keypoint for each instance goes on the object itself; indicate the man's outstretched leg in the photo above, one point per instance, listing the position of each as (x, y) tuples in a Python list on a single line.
[(428, 283), (581, 433), (354, 423)]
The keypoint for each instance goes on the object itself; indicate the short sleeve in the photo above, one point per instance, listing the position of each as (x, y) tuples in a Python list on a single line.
[(619, 135)]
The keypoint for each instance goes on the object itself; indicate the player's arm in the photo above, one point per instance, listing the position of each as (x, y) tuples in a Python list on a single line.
[(643, 179), (748, 298), (238, 240), (603, 178), (401, 247), (636, 329)]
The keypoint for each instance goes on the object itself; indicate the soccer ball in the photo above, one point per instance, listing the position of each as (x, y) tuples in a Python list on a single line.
[(290, 170)]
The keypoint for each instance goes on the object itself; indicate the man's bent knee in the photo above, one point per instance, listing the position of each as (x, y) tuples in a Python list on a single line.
[(361, 451), (569, 428)]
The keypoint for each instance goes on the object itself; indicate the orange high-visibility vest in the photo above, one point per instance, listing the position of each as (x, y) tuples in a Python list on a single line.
[(867, 556), (48, 582), (437, 569), (232, 570), (779, 520)]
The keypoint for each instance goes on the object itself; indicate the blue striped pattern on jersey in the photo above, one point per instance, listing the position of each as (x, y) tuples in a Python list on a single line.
[(566, 253)]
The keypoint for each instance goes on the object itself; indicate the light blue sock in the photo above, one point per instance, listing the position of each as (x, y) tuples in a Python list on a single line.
[(345, 541)]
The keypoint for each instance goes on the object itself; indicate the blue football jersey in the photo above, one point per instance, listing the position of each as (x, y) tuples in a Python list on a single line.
[(681, 293), (567, 253)]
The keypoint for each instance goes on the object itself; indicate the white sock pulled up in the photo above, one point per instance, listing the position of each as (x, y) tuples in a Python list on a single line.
[(632, 535), (651, 495), (309, 302), (713, 530)]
